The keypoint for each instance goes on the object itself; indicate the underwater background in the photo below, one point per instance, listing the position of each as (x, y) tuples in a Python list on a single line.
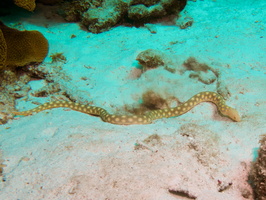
[(143, 58)]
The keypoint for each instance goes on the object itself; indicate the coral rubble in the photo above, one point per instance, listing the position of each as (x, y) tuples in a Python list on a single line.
[(151, 58), (99, 16), (258, 173), (17, 48), (143, 9)]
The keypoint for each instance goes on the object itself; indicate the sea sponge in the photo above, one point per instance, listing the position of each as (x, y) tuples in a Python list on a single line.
[(26, 4), (19, 48)]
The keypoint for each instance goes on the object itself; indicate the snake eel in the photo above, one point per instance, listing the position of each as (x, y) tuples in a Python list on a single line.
[(149, 116)]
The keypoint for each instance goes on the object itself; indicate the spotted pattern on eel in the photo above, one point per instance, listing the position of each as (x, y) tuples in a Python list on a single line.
[(149, 116)]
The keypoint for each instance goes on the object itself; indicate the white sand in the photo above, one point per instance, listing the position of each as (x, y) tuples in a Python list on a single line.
[(62, 154)]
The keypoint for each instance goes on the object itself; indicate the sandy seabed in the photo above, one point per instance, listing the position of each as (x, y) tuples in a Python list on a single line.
[(62, 154)]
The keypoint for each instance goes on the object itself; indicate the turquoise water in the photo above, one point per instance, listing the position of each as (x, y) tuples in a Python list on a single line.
[(214, 46)]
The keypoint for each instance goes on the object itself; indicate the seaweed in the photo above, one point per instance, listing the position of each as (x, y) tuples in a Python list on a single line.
[(58, 57)]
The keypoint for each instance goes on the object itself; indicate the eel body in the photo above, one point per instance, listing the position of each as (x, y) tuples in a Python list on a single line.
[(146, 118)]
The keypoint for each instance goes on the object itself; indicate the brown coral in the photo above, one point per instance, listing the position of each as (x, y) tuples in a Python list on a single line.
[(19, 48), (3, 50), (26, 4)]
